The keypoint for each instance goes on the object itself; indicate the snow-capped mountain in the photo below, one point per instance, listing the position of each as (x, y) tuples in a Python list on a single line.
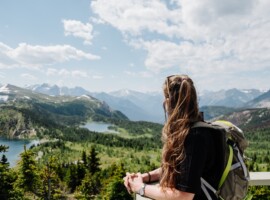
[(229, 98), (55, 90), (135, 105), (148, 106)]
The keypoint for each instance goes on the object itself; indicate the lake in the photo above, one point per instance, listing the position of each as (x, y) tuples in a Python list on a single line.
[(99, 127), (15, 148)]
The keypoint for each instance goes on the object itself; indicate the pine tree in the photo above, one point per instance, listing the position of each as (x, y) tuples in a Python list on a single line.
[(50, 180), (84, 158), (28, 176), (114, 188), (72, 177), (93, 161), (5, 187), (7, 179), (90, 186), (4, 160), (3, 148)]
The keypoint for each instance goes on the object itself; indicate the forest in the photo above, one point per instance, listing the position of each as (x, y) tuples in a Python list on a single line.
[(75, 163)]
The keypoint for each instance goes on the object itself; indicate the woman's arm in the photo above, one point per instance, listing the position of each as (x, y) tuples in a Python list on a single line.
[(152, 176), (156, 192)]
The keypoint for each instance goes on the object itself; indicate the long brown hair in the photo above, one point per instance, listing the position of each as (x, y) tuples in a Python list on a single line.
[(181, 106)]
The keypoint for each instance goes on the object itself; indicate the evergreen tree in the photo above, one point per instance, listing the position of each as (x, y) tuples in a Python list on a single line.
[(4, 160), (3, 148), (7, 179), (28, 176), (93, 161), (115, 189), (50, 180), (5, 186), (72, 178), (84, 158), (90, 186)]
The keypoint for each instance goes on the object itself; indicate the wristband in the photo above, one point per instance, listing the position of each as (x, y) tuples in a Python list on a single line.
[(149, 177)]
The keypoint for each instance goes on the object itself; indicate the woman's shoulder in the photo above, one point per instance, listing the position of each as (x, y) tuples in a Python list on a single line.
[(202, 134)]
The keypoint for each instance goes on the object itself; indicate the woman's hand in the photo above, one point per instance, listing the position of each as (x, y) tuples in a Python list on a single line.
[(136, 182), (129, 177)]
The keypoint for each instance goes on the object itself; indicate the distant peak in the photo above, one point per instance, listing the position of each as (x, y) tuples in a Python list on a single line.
[(5, 88)]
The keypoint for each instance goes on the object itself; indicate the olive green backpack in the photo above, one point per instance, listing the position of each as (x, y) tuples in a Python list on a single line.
[(233, 184)]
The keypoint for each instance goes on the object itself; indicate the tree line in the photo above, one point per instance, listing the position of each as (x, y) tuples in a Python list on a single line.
[(83, 179)]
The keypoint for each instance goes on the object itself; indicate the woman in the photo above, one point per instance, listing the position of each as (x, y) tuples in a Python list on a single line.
[(188, 153)]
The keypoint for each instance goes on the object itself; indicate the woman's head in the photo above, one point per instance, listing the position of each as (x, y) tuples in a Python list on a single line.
[(181, 106), (180, 97)]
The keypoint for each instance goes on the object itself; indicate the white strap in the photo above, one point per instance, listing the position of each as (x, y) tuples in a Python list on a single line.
[(205, 190), (208, 186), (242, 162), (234, 166)]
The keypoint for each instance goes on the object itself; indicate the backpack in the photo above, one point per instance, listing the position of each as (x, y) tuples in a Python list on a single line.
[(233, 184)]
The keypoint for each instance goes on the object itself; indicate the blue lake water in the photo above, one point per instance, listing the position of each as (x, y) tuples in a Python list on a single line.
[(99, 127), (15, 148)]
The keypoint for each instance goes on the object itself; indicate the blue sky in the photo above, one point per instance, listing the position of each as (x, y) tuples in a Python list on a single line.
[(107, 45)]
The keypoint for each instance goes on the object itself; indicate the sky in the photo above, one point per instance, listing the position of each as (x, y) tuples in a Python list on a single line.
[(108, 45)]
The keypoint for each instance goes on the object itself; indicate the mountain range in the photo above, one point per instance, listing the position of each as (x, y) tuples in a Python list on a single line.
[(148, 106), (135, 105), (22, 109), (139, 106)]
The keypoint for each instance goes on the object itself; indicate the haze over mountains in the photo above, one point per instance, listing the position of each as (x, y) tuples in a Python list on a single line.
[(148, 106)]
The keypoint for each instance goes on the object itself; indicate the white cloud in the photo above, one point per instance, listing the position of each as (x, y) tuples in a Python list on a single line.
[(66, 73), (5, 60), (36, 56), (78, 73), (97, 77), (2, 75), (28, 76), (135, 16), (79, 30), (51, 71), (96, 20), (200, 37), (141, 74)]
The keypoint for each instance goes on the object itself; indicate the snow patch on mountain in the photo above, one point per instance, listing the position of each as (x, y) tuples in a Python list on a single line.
[(3, 97), (84, 97), (5, 89), (27, 97)]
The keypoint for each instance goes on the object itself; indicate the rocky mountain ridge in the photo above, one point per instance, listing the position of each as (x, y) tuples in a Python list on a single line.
[(22, 110), (148, 106)]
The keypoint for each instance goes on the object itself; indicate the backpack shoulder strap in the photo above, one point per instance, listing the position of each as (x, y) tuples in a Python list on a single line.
[(227, 168), (202, 124)]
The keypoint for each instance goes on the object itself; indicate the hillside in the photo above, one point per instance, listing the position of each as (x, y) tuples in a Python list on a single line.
[(262, 101), (211, 112), (249, 119), (22, 111)]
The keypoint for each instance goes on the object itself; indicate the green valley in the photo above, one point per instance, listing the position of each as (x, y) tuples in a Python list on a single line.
[(72, 162)]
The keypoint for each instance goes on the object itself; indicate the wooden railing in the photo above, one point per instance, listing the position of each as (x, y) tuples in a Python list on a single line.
[(259, 178), (256, 178)]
